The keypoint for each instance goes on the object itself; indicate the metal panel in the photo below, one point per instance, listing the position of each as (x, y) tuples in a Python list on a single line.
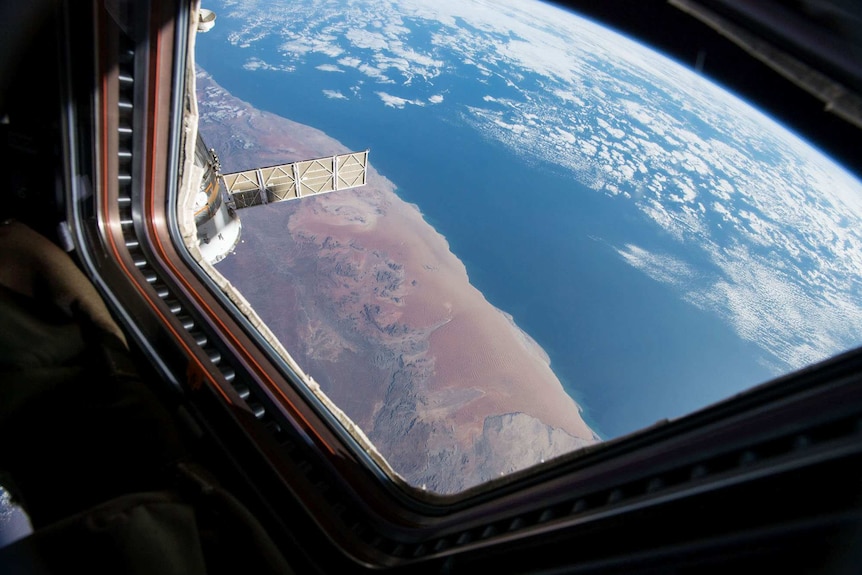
[(316, 176), (289, 181), (279, 182), (243, 188), (246, 199), (351, 170), (241, 181)]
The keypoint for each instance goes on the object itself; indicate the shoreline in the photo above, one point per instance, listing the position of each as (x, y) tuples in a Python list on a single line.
[(440, 362)]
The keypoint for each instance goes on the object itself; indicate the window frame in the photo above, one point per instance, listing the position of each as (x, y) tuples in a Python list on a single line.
[(297, 458)]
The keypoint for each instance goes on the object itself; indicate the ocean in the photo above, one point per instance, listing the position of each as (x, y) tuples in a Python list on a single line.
[(539, 245)]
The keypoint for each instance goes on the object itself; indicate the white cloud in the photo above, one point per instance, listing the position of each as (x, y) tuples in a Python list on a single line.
[(565, 136), (329, 68), (376, 73), (664, 268), (791, 226), (396, 102), (334, 94), (253, 64), (361, 38)]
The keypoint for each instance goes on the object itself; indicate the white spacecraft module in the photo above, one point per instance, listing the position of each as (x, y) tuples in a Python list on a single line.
[(221, 195)]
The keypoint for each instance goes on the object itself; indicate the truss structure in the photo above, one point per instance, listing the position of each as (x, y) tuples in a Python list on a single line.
[(291, 181)]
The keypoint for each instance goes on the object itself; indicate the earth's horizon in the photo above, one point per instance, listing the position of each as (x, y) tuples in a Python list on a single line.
[(664, 244)]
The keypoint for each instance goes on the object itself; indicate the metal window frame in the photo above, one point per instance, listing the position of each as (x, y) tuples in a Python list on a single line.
[(298, 459)]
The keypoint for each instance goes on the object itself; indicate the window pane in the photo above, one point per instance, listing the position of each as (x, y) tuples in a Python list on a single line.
[(564, 236)]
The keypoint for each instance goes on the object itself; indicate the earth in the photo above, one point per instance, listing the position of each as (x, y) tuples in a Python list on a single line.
[(565, 235)]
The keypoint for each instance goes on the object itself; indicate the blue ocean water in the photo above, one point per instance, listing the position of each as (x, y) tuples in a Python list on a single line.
[(539, 245)]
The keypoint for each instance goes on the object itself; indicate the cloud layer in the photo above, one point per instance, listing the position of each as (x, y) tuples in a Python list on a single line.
[(771, 225)]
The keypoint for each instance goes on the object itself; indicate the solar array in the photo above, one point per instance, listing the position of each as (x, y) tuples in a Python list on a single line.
[(295, 180)]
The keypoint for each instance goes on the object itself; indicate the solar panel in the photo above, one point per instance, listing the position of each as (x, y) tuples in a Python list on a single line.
[(291, 181)]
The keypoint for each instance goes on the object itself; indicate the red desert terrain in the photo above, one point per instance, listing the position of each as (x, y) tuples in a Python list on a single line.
[(370, 301)]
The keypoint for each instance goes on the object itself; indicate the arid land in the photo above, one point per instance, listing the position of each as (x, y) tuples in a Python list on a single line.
[(371, 302)]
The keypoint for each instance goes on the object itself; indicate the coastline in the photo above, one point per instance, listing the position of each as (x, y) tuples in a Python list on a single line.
[(376, 301)]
